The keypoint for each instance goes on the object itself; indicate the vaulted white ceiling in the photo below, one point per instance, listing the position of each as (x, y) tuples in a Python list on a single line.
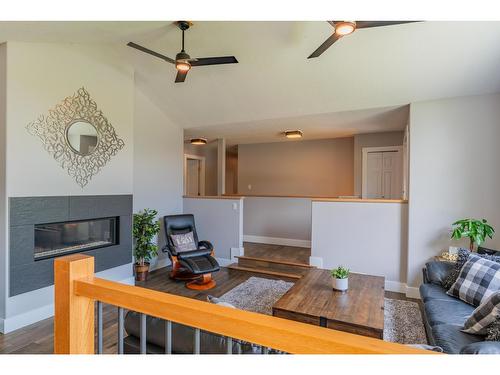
[(372, 68)]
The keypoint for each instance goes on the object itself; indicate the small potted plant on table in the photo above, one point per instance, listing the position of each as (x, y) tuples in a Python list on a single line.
[(145, 228), (340, 278), (475, 230)]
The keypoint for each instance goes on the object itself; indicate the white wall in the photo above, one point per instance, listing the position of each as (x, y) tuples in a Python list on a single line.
[(454, 172), (158, 161), (220, 221), (365, 237), (40, 76), (315, 168), (285, 221)]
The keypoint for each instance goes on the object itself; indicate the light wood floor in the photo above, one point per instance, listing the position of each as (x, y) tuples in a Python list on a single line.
[(38, 338), (277, 252)]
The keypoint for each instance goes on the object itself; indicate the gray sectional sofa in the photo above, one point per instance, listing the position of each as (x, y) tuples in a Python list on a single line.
[(444, 316)]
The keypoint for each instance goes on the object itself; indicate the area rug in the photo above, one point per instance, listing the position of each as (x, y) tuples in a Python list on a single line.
[(257, 294), (402, 321)]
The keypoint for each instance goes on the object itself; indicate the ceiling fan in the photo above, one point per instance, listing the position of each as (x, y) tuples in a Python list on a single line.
[(183, 62), (343, 28)]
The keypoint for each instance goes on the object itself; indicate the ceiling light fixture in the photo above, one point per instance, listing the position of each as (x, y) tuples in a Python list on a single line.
[(345, 27), (182, 62), (198, 141), (293, 134)]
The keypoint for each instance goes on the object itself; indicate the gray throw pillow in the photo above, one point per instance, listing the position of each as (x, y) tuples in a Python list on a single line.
[(478, 279), (183, 242), (483, 316), (493, 331)]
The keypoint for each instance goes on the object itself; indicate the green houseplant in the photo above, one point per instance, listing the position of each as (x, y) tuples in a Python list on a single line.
[(145, 229), (340, 278), (475, 230)]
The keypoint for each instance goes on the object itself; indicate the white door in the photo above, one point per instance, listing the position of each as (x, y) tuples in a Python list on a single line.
[(193, 177), (383, 175)]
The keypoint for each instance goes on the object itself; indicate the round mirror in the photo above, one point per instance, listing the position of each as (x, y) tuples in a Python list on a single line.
[(82, 137)]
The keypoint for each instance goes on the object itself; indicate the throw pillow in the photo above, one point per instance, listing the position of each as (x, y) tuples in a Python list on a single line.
[(183, 242), (493, 331), (484, 315), (478, 279), (463, 256)]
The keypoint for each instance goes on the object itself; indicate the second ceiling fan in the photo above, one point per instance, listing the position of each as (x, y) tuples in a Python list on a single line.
[(342, 28), (183, 62)]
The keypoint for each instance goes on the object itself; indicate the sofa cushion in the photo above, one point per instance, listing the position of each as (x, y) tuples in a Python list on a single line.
[(438, 271), (484, 315), (482, 347), (493, 331), (430, 292), (478, 279), (452, 339), (447, 312)]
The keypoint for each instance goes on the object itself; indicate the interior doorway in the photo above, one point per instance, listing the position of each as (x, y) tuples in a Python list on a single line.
[(194, 175), (382, 171)]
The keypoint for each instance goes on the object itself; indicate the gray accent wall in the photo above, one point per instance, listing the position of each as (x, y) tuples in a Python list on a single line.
[(26, 274)]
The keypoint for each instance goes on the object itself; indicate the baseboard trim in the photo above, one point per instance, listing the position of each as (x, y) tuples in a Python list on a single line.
[(412, 292), (395, 286), (13, 323), (316, 262), (161, 263), (224, 262), (277, 241)]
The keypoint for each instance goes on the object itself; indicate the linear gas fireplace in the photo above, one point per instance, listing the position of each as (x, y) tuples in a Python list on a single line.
[(56, 239)]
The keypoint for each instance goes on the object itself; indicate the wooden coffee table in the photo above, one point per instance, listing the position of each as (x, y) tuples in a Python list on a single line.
[(312, 300)]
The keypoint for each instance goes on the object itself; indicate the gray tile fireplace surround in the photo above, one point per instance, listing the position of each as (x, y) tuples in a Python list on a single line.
[(26, 274)]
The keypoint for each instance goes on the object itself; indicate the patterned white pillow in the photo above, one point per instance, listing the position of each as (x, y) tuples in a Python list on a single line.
[(484, 315), (183, 242)]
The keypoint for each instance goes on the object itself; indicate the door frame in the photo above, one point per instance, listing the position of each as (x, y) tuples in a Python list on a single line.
[(202, 172), (366, 151)]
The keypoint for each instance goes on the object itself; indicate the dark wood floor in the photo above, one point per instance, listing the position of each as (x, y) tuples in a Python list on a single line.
[(278, 252), (38, 338)]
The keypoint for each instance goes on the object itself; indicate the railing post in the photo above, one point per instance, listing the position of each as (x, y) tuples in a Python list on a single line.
[(74, 315)]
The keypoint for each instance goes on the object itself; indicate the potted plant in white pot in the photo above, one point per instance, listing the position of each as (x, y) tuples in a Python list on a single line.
[(340, 277), (145, 229)]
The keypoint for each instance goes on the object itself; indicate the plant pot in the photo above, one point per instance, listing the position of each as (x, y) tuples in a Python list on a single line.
[(340, 284), (141, 272)]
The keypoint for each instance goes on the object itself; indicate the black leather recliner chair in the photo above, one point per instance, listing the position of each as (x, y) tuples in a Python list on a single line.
[(195, 266)]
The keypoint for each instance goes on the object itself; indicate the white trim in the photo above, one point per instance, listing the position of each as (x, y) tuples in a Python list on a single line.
[(15, 322), (236, 251), (161, 263), (395, 286), (277, 241), (224, 262), (412, 292), (316, 262), (202, 172), (365, 151)]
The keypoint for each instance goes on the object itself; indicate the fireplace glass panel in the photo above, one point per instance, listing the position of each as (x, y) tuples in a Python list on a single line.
[(56, 239)]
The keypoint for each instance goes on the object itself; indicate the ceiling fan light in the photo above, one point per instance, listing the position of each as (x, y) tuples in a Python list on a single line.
[(182, 66), (345, 27), (293, 134), (198, 141)]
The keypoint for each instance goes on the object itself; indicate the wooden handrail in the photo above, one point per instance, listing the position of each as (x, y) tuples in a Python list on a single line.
[(268, 331)]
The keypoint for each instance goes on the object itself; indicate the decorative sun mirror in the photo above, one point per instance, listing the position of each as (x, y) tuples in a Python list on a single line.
[(82, 137), (78, 136)]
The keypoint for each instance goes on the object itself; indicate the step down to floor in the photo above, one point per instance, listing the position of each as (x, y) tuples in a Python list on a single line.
[(266, 264), (235, 266)]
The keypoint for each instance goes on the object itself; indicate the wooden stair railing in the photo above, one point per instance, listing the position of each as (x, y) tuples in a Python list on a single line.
[(77, 290)]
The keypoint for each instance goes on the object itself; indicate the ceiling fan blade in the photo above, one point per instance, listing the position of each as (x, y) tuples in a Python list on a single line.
[(147, 50), (367, 24), (181, 76), (326, 44), (200, 61)]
